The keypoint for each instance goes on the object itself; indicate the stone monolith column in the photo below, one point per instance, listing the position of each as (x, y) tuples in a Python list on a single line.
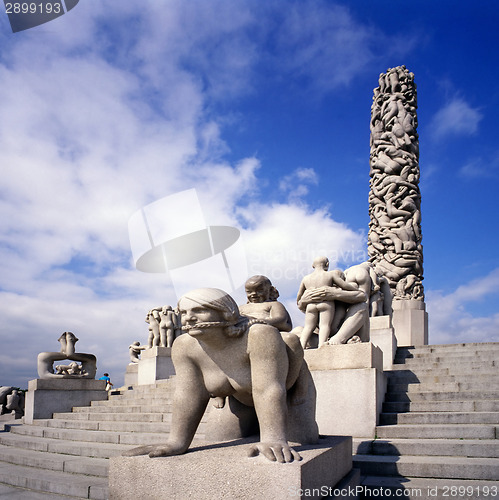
[(394, 242)]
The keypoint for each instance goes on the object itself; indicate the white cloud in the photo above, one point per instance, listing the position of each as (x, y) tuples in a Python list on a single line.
[(282, 240), (481, 168), (323, 44), (457, 117), (450, 321), (297, 183)]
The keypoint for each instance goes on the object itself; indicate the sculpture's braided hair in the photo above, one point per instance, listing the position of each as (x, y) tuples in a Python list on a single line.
[(234, 323), (231, 329)]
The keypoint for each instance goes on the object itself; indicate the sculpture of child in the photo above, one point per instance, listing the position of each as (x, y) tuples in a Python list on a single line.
[(263, 304)]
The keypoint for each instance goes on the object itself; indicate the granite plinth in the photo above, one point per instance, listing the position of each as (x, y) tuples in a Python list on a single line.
[(132, 374), (345, 356), (350, 386), (48, 396), (382, 335), (410, 322), (155, 364), (225, 471)]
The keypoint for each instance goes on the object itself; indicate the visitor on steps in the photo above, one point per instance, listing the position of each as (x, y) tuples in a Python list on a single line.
[(108, 381)]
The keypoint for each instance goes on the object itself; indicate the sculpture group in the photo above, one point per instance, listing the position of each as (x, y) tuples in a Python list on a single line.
[(250, 361), (82, 365)]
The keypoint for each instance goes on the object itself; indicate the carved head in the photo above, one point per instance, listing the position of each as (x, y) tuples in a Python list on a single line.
[(259, 289), (210, 307), (321, 263)]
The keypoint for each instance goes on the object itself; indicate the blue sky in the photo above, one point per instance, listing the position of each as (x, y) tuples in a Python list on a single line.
[(264, 108)]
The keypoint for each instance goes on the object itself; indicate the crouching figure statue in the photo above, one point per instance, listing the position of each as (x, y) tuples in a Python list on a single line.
[(225, 354)]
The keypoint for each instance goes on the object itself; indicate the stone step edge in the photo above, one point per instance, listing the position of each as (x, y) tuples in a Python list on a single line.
[(428, 459), (365, 446), (63, 483), (112, 437), (489, 428), (23, 442), (447, 346), (422, 488), (45, 460)]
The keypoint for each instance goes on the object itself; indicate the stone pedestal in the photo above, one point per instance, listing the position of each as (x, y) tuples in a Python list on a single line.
[(225, 471), (382, 335), (350, 386), (155, 364), (132, 374), (410, 322), (48, 396)]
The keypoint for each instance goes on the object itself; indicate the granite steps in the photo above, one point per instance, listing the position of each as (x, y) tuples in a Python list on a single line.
[(436, 432), (68, 454)]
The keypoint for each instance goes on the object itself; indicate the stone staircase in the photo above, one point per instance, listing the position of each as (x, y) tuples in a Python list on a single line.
[(67, 456), (439, 430)]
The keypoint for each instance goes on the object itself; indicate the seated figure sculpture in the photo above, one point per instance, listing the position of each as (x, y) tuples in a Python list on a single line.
[(321, 313), (225, 354), (135, 349)]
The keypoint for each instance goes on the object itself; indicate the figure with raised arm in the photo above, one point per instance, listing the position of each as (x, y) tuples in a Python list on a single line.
[(135, 350)]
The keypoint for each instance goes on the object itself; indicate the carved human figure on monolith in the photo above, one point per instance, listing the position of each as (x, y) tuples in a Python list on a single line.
[(263, 304), (225, 354)]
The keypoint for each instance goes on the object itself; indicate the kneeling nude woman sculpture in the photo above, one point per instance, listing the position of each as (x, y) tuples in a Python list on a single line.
[(226, 354)]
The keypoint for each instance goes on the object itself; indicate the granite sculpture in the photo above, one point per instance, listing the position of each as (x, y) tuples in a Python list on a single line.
[(11, 401), (15, 403), (72, 369), (394, 239), (321, 314), (350, 319), (226, 354), (153, 319), (167, 326), (163, 326), (263, 304), (86, 369), (135, 349)]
